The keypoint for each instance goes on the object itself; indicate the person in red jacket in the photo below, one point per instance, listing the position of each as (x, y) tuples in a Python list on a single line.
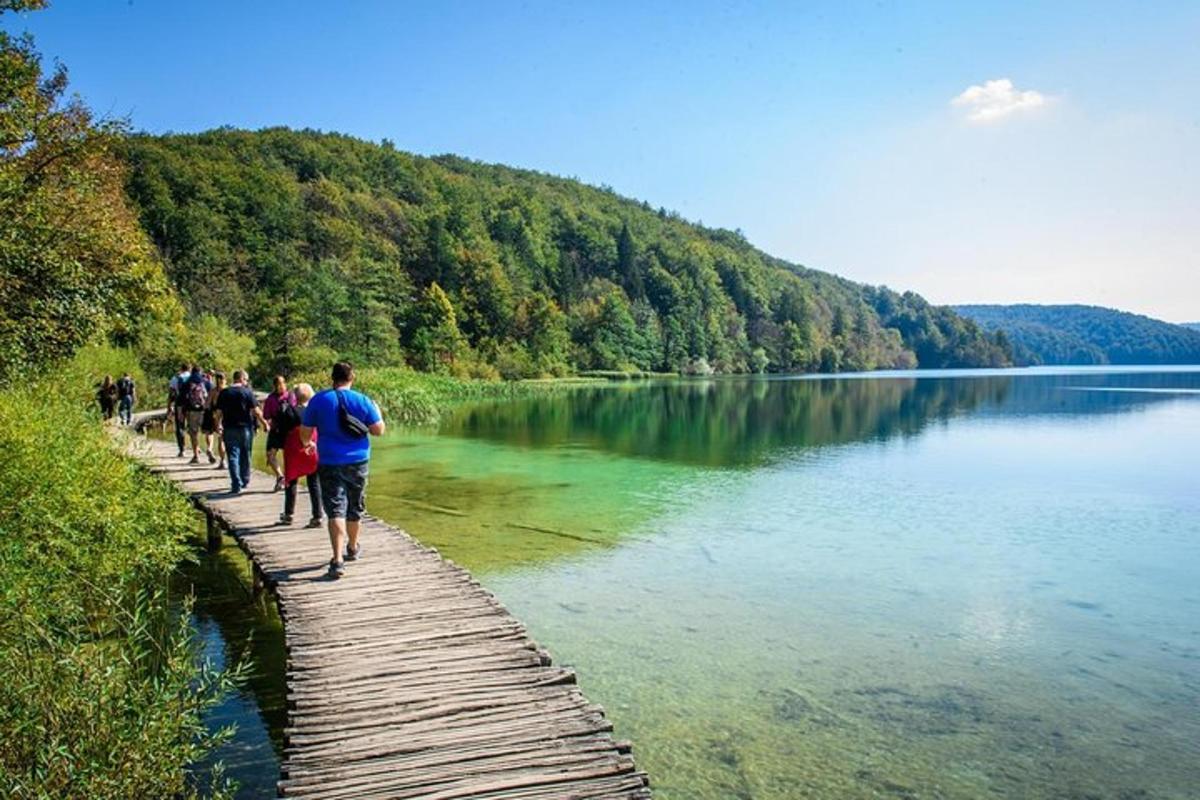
[(299, 460)]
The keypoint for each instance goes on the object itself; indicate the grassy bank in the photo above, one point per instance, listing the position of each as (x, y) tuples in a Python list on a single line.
[(101, 693), (407, 397)]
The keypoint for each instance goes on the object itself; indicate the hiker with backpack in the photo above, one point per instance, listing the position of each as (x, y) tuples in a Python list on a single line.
[(106, 396), (126, 398), (176, 412), (209, 424), (299, 460), (342, 418), (279, 399), (195, 400)]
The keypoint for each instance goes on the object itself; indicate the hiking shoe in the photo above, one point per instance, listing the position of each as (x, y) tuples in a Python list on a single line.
[(352, 555), (211, 458), (316, 522), (181, 452), (195, 460), (336, 569), (221, 465), (278, 484), (284, 519)]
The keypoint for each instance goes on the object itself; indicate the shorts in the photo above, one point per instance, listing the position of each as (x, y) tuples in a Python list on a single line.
[(343, 490), (275, 438), (194, 420), (208, 423)]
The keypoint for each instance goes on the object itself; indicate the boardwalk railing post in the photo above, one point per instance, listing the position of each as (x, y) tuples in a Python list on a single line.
[(214, 532)]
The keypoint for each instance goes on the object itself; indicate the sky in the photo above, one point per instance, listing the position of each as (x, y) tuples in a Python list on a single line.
[(973, 152)]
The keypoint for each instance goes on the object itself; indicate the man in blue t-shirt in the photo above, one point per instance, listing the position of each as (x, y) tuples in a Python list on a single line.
[(342, 418)]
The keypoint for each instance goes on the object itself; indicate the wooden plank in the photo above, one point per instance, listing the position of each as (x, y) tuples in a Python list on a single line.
[(406, 678)]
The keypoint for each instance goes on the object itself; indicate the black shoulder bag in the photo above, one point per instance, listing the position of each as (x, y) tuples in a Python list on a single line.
[(352, 426)]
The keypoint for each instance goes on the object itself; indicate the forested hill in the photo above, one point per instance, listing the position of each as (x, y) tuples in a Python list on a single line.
[(1193, 325), (319, 244), (1076, 334)]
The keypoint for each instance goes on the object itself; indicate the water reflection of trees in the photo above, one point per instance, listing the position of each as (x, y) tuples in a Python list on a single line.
[(744, 422)]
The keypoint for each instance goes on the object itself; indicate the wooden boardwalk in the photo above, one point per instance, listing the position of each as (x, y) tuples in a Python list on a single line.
[(405, 677)]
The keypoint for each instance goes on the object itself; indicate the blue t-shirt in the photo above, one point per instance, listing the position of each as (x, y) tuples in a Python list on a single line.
[(335, 446)]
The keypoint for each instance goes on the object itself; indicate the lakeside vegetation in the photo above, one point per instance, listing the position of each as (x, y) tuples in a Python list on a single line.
[(101, 688), (408, 397), (1079, 334)]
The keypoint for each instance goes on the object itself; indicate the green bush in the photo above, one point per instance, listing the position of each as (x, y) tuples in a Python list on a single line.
[(407, 397), (101, 690)]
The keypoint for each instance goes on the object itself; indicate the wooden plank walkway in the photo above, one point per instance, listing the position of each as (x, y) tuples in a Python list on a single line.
[(405, 677)]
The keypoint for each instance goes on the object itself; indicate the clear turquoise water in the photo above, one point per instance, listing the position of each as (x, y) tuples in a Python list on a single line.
[(914, 585)]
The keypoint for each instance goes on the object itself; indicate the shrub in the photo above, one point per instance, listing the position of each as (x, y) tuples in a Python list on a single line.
[(101, 691)]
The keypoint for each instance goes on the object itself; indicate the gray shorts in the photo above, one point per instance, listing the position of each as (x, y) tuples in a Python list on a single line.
[(343, 490), (195, 420)]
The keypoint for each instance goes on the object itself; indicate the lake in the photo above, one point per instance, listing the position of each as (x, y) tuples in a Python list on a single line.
[(968, 584)]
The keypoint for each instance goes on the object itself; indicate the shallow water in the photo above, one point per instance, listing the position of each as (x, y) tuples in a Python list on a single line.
[(953, 585), (233, 626)]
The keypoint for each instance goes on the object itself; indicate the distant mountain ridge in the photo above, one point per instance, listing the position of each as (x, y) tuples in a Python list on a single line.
[(1193, 325), (1081, 334)]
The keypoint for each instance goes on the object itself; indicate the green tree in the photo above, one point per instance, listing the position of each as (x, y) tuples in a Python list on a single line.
[(438, 343), (542, 327), (73, 262)]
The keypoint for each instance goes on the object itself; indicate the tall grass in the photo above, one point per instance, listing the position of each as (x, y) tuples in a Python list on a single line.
[(407, 397), (101, 692)]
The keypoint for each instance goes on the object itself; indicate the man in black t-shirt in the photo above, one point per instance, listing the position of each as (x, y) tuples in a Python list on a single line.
[(236, 416)]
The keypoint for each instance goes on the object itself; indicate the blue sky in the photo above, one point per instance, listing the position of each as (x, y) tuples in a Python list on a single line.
[(827, 132)]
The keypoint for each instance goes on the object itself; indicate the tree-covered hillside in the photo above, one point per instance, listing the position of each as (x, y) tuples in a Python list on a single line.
[(1077, 334), (318, 244), (1193, 325)]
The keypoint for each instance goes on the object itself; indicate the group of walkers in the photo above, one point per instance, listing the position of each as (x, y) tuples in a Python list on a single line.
[(118, 396), (323, 437)]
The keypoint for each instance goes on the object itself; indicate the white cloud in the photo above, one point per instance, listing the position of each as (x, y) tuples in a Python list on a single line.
[(997, 99)]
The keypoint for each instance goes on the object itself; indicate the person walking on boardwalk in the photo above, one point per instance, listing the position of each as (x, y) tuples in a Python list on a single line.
[(195, 399), (279, 399), (126, 398), (237, 415), (106, 396), (299, 460), (342, 418), (175, 410), (209, 424)]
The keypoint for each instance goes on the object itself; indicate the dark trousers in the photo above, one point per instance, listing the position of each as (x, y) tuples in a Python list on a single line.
[(180, 427), (238, 444), (314, 496), (125, 409)]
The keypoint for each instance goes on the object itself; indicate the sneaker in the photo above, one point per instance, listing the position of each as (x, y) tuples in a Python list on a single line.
[(278, 484), (284, 519), (336, 569), (316, 522), (221, 465), (352, 555), (181, 452), (195, 460), (211, 458)]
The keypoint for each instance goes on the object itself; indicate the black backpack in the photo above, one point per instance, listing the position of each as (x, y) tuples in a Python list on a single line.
[(197, 395)]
